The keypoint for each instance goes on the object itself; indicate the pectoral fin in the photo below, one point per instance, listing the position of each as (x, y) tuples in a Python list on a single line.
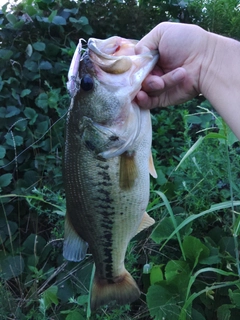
[(128, 170), (74, 247), (151, 167), (146, 222)]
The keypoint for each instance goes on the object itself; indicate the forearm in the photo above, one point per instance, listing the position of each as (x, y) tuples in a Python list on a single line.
[(220, 79)]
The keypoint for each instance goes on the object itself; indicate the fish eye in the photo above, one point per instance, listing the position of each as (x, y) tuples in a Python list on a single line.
[(86, 83)]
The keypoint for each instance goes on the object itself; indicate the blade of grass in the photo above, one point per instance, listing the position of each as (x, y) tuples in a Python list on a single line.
[(215, 207), (190, 151), (197, 294), (30, 197), (168, 206), (90, 290)]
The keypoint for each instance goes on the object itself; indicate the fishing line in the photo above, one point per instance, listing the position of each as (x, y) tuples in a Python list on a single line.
[(17, 156)]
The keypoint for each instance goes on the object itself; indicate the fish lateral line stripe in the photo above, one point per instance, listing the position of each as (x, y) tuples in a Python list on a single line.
[(104, 183)]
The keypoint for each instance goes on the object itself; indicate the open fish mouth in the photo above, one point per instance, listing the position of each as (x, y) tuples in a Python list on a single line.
[(112, 55), (115, 55)]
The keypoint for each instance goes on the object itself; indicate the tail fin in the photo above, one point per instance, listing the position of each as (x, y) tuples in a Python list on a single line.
[(123, 290)]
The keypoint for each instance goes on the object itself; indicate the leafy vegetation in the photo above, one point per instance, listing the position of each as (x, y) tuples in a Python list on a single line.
[(187, 266)]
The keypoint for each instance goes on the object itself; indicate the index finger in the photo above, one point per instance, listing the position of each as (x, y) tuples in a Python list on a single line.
[(149, 42)]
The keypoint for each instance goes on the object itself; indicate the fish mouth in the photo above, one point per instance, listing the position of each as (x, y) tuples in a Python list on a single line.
[(117, 55), (112, 55)]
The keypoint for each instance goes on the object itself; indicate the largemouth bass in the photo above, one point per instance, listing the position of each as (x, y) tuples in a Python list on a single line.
[(107, 160)]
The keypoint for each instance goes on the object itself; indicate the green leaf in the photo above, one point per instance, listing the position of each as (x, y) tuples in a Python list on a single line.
[(194, 119), (36, 56), (226, 244), (231, 138), (156, 274), (166, 227), (235, 297), (31, 65), (176, 268), (197, 315), (87, 29), (15, 94), (73, 20), (42, 127), (178, 273), (31, 114), (11, 111), (2, 152), (58, 20), (39, 46), (215, 135), (42, 101), (52, 50), (162, 304), (223, 312), (11, 267), (31, 177), (5, 179), (83, 20), (74, 315), (194, 249), (25, 92), (49, 297), (13, 141), (34, 243), (83, 299), (53, 98), (45, 65), (211, 260), (161, 178), (7, 229), (2, 112), (52, 15), (5, 54), (11, 18)]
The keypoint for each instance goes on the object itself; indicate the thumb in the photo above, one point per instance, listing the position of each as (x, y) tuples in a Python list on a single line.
[(140, 49)]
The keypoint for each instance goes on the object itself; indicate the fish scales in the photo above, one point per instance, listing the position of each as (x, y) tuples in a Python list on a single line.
[(107, 207), (106, 170)]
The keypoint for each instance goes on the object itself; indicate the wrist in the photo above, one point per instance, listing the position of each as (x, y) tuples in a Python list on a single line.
[(219, 78), (210, 63)]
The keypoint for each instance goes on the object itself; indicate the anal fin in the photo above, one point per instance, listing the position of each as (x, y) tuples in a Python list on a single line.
[(146, 222), (74, 247), (128, 170)]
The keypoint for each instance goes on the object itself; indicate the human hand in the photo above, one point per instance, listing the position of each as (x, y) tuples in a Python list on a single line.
[(176, 77)]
